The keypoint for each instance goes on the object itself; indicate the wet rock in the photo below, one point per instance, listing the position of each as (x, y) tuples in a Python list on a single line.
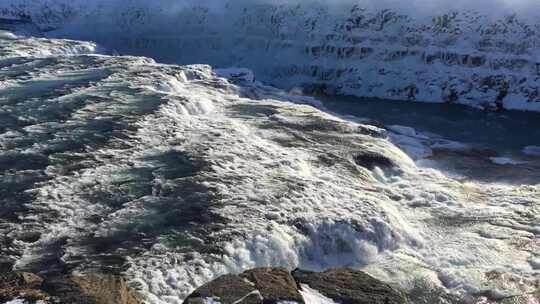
[(278, 285), (22, 285), (86, 289), (370, 160), (372, 130), (226, 289), (28, 236), (91, 289), (260, 285), (6, 264), (349, 286), (274, 284)]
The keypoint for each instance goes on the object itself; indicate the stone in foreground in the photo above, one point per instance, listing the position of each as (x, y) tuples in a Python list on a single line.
[(85, 289), (278, 285)]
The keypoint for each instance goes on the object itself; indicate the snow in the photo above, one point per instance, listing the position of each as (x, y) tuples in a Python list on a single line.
[(445, 54), (312, 296), (211, 301)]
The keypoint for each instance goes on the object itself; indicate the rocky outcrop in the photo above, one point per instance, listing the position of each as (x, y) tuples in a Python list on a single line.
[(277, 285), (21, 285), (21, 25), (84, 289), (261, 285)]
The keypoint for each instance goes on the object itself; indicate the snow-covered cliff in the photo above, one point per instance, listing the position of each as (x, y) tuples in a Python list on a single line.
[(460, 56)]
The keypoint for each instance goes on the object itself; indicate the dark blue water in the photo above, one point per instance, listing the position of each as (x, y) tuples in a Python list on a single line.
[(508, 131)]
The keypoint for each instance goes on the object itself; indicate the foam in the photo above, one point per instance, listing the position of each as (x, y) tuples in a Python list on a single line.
[(7, 35)]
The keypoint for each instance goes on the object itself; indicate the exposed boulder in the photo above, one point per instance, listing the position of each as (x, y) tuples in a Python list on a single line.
[(260, 285), (274, 284), (85, 289), (20, 285), (278, 285), (370, 160), (91, 289), (347, 286), (225, 289)]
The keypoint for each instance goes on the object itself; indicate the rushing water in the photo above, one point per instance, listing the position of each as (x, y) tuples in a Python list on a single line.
[(173, 175)]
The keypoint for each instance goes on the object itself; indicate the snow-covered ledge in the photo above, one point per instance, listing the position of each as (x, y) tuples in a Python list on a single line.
[(478, 58)]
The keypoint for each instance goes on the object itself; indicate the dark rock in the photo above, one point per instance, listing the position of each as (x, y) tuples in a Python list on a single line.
[(28, 236), (227, 289), (347, 286), (274, 284), (20, 285), (372, 130), (370, 160), (256, 286), (86, 289), (6, 264)]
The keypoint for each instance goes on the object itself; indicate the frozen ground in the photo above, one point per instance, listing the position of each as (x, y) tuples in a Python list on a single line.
[(174, 175)]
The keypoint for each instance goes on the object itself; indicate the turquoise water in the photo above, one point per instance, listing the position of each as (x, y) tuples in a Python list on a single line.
[(508, 131)]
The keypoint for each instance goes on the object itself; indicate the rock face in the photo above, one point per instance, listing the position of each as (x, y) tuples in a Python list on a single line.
[(85, 289), (19, 25), (462, 56), (274, 285)]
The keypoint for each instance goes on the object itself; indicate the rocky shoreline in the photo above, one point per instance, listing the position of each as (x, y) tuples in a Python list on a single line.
[(278, 285), (267, 285)]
